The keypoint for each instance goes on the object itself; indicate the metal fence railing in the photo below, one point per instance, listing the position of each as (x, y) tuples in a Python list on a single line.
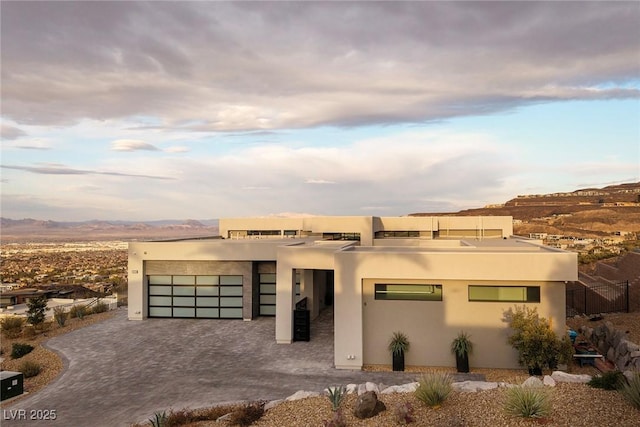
[(598, 298)]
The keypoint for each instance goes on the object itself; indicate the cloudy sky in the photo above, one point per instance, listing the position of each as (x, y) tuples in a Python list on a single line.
[(156, 110)]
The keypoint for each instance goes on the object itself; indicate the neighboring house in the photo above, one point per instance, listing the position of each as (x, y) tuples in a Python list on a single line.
[(429, 277), (21, 296)]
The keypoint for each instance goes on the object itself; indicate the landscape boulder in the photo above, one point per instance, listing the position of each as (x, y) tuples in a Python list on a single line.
[(367, 405), (563, 377), (473, 386), (301, 394), (532, 382)]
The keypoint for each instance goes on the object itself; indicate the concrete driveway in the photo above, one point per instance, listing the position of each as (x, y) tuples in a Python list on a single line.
[(119, 372)]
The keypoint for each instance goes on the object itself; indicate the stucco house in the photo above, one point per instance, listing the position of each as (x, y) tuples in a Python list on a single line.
[(429, 277)]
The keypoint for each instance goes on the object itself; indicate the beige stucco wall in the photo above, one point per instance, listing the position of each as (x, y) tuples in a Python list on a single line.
[(432, 325), (354, 269), (290, 258)]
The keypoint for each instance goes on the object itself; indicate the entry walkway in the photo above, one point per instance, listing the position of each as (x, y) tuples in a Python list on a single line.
[(119, 372)]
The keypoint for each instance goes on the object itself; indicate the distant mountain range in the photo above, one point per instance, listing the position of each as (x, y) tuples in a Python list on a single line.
[(41, 231), (97, 224)]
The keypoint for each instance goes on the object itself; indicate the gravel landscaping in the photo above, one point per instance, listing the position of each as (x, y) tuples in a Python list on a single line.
[(572, 404)]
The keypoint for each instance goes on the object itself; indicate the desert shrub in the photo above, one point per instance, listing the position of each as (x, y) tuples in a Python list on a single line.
[(434, 388), (78, 311), (246, 415), (12, 326), (29, 369), (60, 315), (631, 390), (36, 308), (537, 344), (528, 402), (403, 413), (100, 307), (608, 380), (18, 350), (336, 395), (336, 421), (159, 419)]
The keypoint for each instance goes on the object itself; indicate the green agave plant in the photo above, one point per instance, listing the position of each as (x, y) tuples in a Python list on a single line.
[(399, 343), (462, 344)]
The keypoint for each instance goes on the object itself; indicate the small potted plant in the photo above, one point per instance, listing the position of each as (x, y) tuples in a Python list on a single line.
[(398, 346), (462, 347)]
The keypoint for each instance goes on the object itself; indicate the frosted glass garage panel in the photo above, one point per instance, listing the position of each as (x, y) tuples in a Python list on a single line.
[(234, 313), (184, 301), (155, 300), (184, 290), (268, 310), (207, 280), (207, 312), (207, 302), (268, 278), (230, 302), (184, 312), (268, 289), (159, 280), (207, 290), (159, 290), (231, 291), (184, 280), (231, 280), (160, 311), (267, 299)]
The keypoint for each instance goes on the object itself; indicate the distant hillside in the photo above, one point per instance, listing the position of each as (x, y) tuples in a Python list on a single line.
[(585, 212), (25, 230)]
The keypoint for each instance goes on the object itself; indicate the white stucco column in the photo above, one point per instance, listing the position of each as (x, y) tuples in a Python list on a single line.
[(285, 296), (137, 289)]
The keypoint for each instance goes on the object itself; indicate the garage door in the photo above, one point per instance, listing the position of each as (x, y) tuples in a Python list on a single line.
[(268, 293), (208, 297)]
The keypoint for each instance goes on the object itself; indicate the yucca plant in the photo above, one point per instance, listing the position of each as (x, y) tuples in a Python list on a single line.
[(434, 388), (462, 347), (336, 395), (159, 419), (631, 390), (398, 346), (528, 402)]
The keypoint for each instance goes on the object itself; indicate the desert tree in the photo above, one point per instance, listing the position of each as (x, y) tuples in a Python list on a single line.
[(36, 308)]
